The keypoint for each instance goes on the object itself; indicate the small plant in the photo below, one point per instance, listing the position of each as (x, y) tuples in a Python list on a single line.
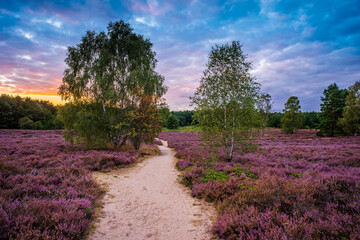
[(295, 175), (215, 175), (243, 172)]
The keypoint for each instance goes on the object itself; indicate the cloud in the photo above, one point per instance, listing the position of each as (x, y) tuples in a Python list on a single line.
[(52, 22), (149, 22), (27, 35), (26, 57), (297, 47)]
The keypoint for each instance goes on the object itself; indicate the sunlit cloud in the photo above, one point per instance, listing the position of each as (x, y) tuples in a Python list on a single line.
[(26, 57), (54, 23), (27, 35), (149, 22)]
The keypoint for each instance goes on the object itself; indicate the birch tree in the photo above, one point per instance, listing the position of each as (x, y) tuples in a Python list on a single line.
[(225, 101), (105, 68)]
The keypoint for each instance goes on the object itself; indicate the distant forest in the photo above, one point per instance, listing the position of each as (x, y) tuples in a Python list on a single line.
[(26, 113), (311, 121)]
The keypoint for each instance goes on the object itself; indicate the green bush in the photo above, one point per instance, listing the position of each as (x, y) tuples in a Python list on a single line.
[(172, 122), (26, 123)]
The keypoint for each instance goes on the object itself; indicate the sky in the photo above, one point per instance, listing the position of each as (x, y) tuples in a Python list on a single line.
[(297, 48)]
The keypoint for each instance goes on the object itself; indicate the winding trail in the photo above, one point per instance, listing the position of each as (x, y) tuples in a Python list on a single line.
[(147, 202)]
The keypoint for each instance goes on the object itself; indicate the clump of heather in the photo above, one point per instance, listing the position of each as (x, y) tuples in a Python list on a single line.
[(46, 187), (158, 142), (297, 186), (183, 164)]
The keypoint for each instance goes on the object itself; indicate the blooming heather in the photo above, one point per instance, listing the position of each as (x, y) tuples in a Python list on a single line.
[(297, 186), (46, 187)]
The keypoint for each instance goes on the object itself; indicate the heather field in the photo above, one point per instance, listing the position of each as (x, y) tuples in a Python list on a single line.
[(296, 186), (46, 187)]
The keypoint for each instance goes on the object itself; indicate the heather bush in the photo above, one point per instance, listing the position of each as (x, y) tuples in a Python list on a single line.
[(182, 165), (46, 187), (296, 186)]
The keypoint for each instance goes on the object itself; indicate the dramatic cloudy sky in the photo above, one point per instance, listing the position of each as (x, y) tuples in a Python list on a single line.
[(297, 47)]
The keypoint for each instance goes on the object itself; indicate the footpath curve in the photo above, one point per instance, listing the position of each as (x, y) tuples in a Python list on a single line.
[(147, 202)]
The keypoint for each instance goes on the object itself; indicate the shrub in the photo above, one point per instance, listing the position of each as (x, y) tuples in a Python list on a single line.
[(172, 122), (26, 123)]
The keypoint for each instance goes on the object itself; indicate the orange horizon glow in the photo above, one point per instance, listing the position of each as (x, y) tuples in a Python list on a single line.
[(53, 98)]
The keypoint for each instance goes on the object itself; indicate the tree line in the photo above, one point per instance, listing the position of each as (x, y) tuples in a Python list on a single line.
[(26, 113), (339, 113)]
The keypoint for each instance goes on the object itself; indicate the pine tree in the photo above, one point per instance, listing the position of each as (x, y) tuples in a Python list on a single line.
[(331, 110)]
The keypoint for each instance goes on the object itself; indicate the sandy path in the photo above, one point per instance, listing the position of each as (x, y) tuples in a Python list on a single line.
[(147, 202)]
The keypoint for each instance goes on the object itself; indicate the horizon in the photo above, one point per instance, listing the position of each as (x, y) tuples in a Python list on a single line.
[(297, 49)]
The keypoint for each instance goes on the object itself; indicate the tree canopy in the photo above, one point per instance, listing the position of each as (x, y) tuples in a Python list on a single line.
[(114, 71), (108, 66)]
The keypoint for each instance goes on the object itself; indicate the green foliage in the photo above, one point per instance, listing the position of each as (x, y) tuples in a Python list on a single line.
[(83, 119), (104, 66), (331, 110), (225, 101), (164, 114), (144, 120), (185, 117), (295, 175), (183, 129), (172, 122), (26, 123), (213, 175), (25, 113), (108, 75), (311, 120), (275, 119), (237, 171), (293, 118), (350, 122), (241, 172)]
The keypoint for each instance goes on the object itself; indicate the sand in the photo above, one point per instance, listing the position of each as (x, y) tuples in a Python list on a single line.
[(148, 202)]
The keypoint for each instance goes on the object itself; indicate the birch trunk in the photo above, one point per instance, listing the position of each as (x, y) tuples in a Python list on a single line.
[(106, 118), (232, 139), (225, 131)]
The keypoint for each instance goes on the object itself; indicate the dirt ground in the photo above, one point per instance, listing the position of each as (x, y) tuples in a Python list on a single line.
[(148, 202)]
